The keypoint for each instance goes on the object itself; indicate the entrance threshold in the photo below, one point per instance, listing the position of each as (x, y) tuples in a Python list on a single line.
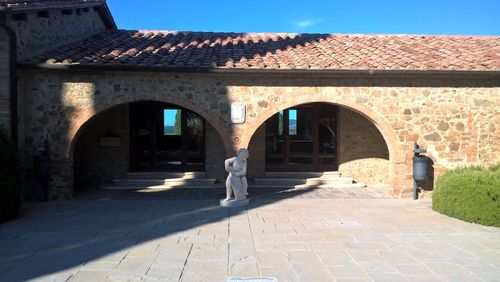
[(304, 180), (163, 181)]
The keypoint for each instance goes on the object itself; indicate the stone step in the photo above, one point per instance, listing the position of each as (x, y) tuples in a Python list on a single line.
[(165, 175), (187, 186), (271, 186), (301, 174), (114, 187), (137, 182), (305, 186), (168, 182), (222, 186), (163, 187), (332, 174), (292, 174), (308, 181), (291, 179), (282, 181), (189, 182), (338, 185), (326, 180)]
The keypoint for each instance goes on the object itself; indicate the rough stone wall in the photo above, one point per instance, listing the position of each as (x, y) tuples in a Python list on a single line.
[(456, 120), (363, 153), (36, 34), (4, 81), (95, 165), (257, 150), (215, 154)]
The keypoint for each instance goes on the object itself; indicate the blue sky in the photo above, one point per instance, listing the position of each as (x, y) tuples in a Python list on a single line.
[(169, 117), (474, 17)]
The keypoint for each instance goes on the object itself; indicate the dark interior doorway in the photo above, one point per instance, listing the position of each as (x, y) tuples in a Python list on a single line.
[(303, 138), (166, 137)]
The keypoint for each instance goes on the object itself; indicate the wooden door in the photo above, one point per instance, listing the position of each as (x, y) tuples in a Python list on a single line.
[(166, 138), (302, 138)]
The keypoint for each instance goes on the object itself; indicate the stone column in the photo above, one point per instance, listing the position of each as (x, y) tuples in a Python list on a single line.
[(4, 81), (61, 179)]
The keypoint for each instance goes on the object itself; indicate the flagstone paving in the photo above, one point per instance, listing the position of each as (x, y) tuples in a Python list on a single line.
[(293, 236)]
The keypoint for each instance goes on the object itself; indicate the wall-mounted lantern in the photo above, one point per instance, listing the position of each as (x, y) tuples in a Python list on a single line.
[(420, 168)]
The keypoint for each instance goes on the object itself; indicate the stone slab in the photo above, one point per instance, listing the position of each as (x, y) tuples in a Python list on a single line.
[(390, 242)]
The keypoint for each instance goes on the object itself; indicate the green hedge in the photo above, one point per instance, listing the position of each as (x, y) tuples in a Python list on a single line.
[(10, 188), (471, 194)]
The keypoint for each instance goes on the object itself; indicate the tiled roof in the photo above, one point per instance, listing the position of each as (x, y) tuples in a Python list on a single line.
[(21, 5), (166, 49)]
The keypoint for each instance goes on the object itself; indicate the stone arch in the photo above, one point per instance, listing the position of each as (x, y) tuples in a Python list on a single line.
[(396, 158), (84, 117)]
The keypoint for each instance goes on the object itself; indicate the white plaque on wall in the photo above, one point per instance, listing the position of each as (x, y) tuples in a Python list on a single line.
[(238, 112)]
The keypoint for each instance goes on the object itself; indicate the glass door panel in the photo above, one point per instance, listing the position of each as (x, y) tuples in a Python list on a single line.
[(195, 149), (142, 136), (302, 138), (275, 141), (300, 135), (165, 137), (169, 145), (327, 122)]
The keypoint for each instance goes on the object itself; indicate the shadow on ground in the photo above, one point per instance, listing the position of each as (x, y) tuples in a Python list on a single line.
[(55, 237)]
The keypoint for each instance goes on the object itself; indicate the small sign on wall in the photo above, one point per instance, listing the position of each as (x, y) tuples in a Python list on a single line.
[(238, 112), (110, 142)]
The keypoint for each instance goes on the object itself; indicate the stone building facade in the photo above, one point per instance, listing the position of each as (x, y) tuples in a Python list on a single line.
[(39, 31), (455, 120), (382, 99), (38, 26)]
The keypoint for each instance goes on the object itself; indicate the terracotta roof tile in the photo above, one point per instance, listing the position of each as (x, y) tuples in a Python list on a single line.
[(280, 51)]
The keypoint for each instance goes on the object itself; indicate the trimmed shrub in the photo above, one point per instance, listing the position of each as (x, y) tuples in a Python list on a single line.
[(10, 188), (495, 168), (471, 194)]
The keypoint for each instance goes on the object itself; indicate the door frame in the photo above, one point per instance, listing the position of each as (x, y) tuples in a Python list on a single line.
[(315, 155), (157, 128)]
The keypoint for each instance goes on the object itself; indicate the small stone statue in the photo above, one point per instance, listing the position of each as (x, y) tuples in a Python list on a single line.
[(236, 181)]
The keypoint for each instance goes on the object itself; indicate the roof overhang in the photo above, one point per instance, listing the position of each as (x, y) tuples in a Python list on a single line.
[(301, 72)]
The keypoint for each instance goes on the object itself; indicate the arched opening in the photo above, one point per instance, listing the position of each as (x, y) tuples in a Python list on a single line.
[(302, 138), (144, 136), (165, 137), (323, 137)]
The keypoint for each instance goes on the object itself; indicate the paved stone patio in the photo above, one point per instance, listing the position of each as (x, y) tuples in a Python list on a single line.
[(293, 236)]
